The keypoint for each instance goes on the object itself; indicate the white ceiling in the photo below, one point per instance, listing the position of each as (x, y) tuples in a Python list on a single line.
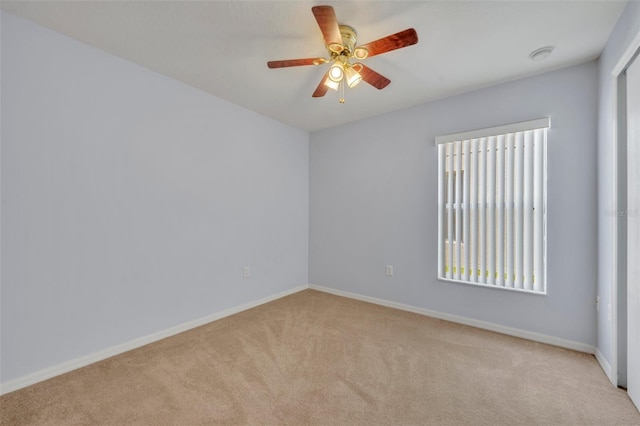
[(222, 46)]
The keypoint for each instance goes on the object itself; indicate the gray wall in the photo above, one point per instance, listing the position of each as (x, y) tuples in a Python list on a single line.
[(625, 30), (373, 187), (131, 202)]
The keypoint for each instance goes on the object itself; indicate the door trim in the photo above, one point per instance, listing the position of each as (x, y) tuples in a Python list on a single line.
[(620, 67)]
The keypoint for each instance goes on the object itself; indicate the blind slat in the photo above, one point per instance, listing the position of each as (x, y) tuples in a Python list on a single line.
[(538, 209), (449, 210), (500, 211), (482, 209), (518, 181), (441, 208), (527, 210), (510, 241), (465, 227), (490, 218), (473, 213), (458, 208)]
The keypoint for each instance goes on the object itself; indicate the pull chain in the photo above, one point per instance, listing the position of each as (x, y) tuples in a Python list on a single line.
[(341, 100)]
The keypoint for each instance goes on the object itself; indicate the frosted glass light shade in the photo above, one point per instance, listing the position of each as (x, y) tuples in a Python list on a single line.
[(353, 77), (333, 85)]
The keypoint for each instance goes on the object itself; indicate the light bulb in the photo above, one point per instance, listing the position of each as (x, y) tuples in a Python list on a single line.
[(336, 72)]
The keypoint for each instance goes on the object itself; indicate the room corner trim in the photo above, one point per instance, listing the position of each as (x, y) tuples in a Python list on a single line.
[(604, 364), (524, 334), (83, 361)]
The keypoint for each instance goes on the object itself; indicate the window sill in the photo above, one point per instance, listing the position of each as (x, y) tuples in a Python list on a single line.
[(495, 287)]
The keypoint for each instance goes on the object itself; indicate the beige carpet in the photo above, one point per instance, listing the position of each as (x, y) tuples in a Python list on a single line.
[(314, 358)]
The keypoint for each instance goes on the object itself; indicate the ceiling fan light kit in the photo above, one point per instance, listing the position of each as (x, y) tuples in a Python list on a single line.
[(341, 44)]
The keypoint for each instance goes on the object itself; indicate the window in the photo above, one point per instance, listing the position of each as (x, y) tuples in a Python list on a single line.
[(492, 186)]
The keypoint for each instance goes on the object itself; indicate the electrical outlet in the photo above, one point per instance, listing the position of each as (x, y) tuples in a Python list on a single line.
[(389, 271), (246, 272)]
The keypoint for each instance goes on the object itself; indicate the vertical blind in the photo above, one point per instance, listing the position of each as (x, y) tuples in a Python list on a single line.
[(492, 206)]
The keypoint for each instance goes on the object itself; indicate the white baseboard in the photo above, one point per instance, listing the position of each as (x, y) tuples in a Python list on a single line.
[(606, 367), (529, 335), (76, 363)]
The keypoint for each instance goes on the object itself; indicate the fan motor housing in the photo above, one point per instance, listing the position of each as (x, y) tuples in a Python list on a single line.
[(349, 38)]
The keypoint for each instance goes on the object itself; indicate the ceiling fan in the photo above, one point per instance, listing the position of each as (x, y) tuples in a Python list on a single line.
[(341, 46)]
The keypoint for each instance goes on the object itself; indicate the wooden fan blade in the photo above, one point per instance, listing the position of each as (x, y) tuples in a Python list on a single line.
[(295, 62), (373, 78), (328, 24), (322, 88), (394, 41)]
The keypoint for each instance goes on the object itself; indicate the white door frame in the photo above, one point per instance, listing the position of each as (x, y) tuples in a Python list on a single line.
[(620, 67)]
